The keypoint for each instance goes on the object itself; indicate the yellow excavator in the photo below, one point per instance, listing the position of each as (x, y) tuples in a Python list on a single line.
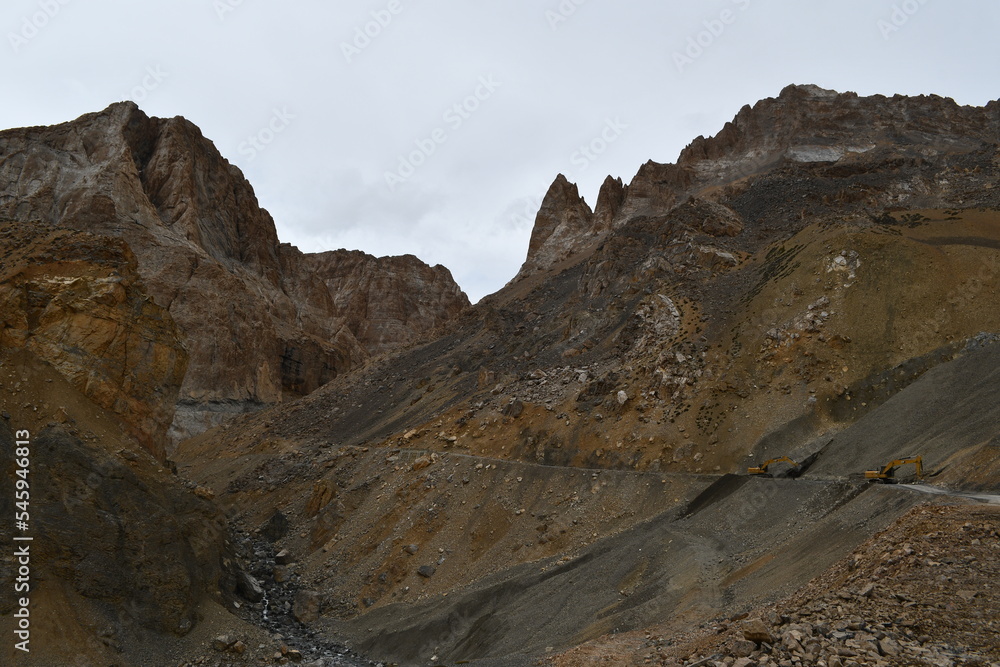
[(762, 468), (888, 472)]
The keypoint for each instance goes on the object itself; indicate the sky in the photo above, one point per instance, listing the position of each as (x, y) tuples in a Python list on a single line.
[(435, 128)]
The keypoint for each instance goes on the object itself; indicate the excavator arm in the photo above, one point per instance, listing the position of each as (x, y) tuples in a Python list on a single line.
[(888, 472), (762, 468)]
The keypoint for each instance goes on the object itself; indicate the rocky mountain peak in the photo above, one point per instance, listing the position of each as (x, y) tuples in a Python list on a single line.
[(609, 202), (261, 322), (806, 123), (564, 222)]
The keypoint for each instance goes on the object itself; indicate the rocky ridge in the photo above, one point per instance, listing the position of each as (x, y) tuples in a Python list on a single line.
[(258, 321)]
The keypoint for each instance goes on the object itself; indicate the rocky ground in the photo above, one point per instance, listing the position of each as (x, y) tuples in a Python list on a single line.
[(921, 592), (275, 602)]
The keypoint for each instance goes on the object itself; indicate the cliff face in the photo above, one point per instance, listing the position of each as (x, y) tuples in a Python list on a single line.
[(259, 324), (810, 124), (565, 224), (75, 300), (384, 302)]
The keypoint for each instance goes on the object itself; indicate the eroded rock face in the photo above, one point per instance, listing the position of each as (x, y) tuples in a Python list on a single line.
[(75, 300), (806, 123), (261, 321), (562, 225), (609, 202), (804, 127), (384, 302)]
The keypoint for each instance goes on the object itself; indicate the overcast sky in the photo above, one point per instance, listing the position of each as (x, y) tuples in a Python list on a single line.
[(434, 128)]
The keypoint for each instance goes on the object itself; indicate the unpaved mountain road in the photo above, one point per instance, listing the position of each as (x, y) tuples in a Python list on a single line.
[(988, 498)]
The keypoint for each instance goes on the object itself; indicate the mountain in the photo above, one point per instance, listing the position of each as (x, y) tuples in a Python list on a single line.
[(560, 472), (772, 289), (261, 321)]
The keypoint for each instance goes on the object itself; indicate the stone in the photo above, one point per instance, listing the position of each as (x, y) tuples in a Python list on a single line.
[(284, 557), (276, 527), (248, 587), (222, 643), (426, 571), (744, 662), (323, 493), (742, 648), (421, 462), (755, 630), (514, 409), (306, 607), (412, 549), (889, 646)]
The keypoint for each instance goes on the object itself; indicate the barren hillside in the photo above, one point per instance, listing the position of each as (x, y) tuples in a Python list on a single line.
[(559, 472)]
